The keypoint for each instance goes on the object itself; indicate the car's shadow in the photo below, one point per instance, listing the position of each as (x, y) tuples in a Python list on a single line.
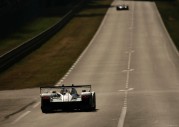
[(71, 111)]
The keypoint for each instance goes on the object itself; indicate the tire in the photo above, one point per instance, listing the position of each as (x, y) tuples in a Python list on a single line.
[(93, 106), (45, 110)]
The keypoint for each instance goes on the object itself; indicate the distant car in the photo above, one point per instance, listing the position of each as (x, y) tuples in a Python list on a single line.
[(76, 97), (122, 7)]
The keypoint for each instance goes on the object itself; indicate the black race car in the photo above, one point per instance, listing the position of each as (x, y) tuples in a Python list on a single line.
[(122, 7)]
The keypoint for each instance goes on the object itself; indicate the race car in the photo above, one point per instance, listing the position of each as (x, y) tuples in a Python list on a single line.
[(76, 97), (122, 7)]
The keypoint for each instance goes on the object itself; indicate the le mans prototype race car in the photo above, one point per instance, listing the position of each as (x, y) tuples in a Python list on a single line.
[(76, 97), (122, 7)]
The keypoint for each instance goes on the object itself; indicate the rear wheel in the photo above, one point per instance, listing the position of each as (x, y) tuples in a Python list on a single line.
[(45, 110), (93, 106)]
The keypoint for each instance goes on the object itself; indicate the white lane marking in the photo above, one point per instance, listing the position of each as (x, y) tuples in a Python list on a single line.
[(127, 79), (130, 89), (37, 104), (21, 116), (124, 108), (128, 70), (122, 117), (126, 90), (129, 61)]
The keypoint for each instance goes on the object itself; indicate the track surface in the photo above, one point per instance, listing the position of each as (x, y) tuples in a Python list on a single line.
[(131, 64)]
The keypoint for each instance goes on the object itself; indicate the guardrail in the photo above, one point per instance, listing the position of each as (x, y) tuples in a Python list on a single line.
[(14, 55)]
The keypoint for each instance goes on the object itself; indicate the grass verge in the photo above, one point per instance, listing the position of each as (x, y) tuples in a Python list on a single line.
[(50, 62), (20, 27), (26, 32), (169, 11)]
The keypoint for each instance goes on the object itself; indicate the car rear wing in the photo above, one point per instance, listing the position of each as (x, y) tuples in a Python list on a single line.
[(65, 86)]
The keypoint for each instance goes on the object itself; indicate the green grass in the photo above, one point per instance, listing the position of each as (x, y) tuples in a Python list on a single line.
[(50, 62), (169, 11), (26, 32)]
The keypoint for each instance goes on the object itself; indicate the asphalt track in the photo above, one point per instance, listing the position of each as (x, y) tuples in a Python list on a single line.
[(132, 66)]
